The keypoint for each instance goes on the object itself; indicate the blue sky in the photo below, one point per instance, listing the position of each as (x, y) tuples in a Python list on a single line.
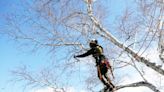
[(8, 52), (11, 56)]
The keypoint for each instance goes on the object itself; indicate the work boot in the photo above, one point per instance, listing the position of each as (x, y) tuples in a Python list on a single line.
[(105, 88), (110, 87)]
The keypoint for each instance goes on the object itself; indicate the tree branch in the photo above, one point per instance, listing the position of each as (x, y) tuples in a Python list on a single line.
[(138, 84), (115, 41)]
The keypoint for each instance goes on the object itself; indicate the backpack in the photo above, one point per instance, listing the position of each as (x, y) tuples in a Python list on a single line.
[(99, 50)]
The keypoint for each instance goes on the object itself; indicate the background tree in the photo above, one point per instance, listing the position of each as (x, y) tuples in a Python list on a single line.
[(64, 27)]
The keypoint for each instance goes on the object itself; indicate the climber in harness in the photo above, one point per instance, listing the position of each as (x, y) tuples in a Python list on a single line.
[(101, 62)]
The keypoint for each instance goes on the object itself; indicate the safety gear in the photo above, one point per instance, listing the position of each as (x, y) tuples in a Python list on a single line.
[(101, 62), (99, 50), (93, 43), (105, 63)]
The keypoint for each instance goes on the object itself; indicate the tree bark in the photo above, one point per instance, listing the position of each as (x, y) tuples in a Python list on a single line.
[(115, 41), (138, 84), (105, 33)]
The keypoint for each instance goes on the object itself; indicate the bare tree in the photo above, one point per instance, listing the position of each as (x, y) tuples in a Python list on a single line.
[(161, 38), (153, 27), (61, 24)]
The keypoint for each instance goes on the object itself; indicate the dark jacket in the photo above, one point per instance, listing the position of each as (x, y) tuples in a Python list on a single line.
[(96, 52)]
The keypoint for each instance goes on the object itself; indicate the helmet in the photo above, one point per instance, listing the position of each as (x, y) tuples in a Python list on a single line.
[(93, 43)]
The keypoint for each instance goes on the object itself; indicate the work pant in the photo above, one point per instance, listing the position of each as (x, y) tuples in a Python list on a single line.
[(102, 72)]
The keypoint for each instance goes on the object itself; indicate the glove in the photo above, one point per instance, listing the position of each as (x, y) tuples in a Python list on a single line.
[(77, 60), (74, 56)]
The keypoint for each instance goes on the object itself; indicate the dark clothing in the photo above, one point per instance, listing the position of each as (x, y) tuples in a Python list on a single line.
[(96, 53), (101, 63), (103, 69)]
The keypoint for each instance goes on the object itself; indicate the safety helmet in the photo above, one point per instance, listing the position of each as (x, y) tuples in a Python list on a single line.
[(93, 43)]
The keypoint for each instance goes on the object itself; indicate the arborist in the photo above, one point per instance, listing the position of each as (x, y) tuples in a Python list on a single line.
[(101, 62)]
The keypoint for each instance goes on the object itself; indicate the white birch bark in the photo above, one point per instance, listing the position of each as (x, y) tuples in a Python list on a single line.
[(135, 55)]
